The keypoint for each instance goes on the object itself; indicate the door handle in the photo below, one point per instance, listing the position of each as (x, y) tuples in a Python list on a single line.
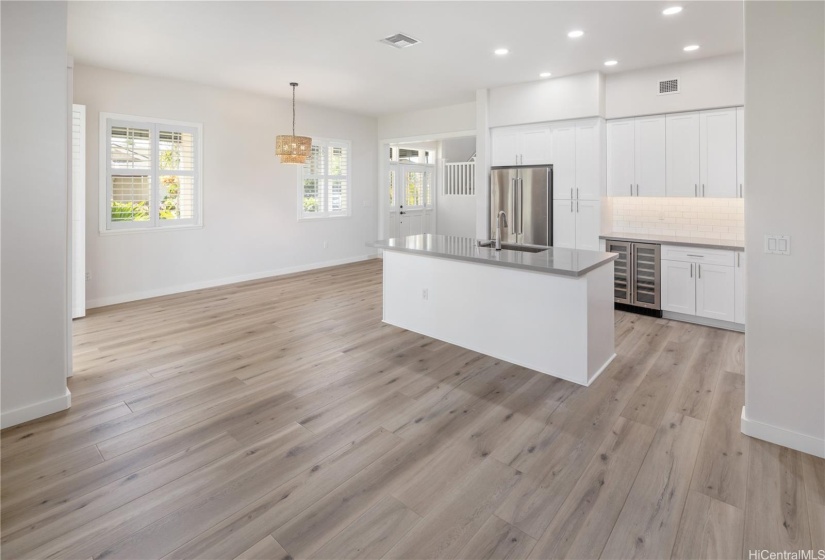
[(521, 206)]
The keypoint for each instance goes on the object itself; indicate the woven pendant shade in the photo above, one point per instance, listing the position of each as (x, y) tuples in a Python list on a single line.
[(291, 148)]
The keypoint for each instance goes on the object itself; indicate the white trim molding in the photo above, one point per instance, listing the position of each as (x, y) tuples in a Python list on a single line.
[(36, 410), (781, 436), (135, 296)]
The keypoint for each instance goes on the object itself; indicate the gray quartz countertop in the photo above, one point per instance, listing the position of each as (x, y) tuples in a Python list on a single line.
[(671, 240), (564, 262)]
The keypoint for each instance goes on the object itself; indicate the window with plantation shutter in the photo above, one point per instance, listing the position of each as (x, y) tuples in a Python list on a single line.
[(324, 180), (152, 174)]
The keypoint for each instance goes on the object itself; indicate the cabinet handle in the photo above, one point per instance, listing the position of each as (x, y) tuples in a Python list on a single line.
[(695, 189), (631, 189), (577, 193), (571, 193), (697, 256), (691, 270), (741, 191), (637, 190), (699, 271), (703, 194), (738, 263)]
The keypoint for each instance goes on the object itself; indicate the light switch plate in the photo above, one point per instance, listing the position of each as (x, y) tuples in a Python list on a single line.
[(778, 244)]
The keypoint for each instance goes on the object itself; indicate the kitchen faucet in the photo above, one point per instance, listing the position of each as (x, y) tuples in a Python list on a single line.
[(498, 228)]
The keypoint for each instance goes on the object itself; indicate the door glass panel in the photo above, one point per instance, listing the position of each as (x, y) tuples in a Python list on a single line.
[(645, 274), (621, 278)]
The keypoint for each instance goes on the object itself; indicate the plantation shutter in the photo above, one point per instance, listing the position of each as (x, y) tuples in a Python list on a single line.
[(325, 180)]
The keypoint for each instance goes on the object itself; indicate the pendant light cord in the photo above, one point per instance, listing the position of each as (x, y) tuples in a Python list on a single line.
[(294, 85)]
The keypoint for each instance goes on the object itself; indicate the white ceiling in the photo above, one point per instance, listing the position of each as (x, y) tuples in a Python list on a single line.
[(332, 48)]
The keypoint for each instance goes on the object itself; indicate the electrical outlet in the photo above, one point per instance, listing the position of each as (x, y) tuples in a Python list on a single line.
[(88, 276), (425, 294), (778, 244)]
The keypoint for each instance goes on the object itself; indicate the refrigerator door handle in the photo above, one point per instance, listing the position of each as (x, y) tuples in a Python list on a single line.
[(521, 206)]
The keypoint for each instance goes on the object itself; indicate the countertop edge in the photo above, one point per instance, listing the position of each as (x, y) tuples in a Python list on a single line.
[(489, 262), (649, 238)]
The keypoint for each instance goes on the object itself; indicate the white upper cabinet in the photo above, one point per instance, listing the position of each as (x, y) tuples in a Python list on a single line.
[(564, 161), (536, 146), (683, 154), (521, 145), (650, 174), (740, 151), (621, 157), (717, 153), (505, 146), (589, 153)]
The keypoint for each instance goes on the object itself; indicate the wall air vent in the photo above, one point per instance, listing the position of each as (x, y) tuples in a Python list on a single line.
[(668, 86), (400, 41)]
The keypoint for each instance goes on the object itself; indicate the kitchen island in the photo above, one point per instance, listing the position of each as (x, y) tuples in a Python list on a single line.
[(551, 311)]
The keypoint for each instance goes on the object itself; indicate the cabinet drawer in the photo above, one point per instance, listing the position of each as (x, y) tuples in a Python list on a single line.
[(698, 255)]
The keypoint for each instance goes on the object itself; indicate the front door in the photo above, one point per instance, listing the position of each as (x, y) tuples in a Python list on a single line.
[(411, 199)]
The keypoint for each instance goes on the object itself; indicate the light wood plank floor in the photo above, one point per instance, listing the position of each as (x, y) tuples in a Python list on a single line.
[(280, 418)]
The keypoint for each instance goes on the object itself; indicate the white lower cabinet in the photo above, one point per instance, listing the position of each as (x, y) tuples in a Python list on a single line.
[(576, 224), (715, 292), (739, 289), (564, 224), (678, 287), (707, 283)]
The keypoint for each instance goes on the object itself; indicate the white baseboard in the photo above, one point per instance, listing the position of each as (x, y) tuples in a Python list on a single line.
[(167, 291), (780, 436), (703, 321), (36, 410)]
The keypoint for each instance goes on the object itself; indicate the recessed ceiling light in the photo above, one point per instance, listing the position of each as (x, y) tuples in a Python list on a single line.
[(575, 34), (691, 48), (672, 10), (611, 63), (501, 52), (545, 75)]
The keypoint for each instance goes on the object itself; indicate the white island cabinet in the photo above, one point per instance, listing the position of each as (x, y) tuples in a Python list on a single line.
[(550, 311)]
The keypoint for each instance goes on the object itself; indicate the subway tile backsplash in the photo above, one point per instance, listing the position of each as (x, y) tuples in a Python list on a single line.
[(708, 218)]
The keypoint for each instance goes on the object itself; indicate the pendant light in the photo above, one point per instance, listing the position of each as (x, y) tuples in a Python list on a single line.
[(291, 148)]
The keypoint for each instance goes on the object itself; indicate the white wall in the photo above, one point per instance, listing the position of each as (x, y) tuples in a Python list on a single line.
[(458, 149), (703, 84), (35, 179), (570, 97), (784, 146), (428, 122), (250, 199), (457, 213)]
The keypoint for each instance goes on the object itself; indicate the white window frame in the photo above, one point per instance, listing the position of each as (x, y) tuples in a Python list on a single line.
[(106, 226), (311, 216)]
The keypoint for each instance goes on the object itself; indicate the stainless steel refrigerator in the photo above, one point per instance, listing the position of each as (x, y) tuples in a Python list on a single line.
[(525, 194)]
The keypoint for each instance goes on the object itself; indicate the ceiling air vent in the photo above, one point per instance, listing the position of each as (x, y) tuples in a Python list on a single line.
[(400, 41), (668, 86)]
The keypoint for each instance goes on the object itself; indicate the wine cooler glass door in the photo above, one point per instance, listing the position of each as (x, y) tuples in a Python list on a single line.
[(646, 275), (622, 277)]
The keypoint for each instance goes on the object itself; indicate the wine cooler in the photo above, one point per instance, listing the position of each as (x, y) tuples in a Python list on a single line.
[(637, 273)]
